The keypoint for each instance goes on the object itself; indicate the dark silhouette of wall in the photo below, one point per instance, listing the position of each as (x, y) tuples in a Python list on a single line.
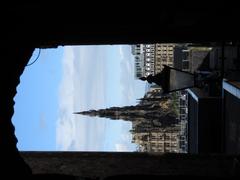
[(64, 23)]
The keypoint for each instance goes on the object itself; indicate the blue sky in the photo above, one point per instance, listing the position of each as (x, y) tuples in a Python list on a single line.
[(70, 79)]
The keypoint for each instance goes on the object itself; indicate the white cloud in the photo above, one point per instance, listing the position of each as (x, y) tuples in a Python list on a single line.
[(121, 147), (127, 76), (121, 52), (81, 88)]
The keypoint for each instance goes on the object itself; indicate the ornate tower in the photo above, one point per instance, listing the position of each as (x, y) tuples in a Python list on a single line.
[(158, 112), (154, 124)]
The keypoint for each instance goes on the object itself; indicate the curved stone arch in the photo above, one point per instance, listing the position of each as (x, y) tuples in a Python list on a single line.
[(14, 60)]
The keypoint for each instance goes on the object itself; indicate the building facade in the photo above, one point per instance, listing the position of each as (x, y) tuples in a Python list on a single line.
[(164, 55), (137, 52), (150, 58), (152, 139)]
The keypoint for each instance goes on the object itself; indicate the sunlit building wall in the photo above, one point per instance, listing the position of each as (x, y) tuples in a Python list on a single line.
[(164, 56)]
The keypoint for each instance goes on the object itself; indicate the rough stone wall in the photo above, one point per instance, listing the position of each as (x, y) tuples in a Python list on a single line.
[(103, 164)]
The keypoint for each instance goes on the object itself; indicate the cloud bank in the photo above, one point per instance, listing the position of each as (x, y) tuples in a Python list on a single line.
[(83, 87)]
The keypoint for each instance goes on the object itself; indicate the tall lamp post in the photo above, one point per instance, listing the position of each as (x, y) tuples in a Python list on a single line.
[(172, 79)]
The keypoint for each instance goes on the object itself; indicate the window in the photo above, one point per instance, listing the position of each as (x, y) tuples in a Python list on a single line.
[(167, 144)]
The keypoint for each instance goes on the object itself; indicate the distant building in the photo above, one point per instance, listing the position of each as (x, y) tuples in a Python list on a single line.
[(164, 56), (150, 139), (157, 55), (190, 58), (137, 51), (181, 57), (150, 58), (196, 56), (157, 142)]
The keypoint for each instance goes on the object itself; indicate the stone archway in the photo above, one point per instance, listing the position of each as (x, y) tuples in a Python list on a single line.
[(20, 35)]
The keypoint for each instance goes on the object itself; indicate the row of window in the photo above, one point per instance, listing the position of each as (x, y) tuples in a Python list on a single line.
[(150, 50), (167, 145), (165, 45), (149, 59), (164, 56), (161, 135), (149, 54), (165, 48), (167, 138), (164, 52)]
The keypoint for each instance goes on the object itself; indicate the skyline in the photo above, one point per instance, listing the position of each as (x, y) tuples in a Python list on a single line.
[(86, 77)]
